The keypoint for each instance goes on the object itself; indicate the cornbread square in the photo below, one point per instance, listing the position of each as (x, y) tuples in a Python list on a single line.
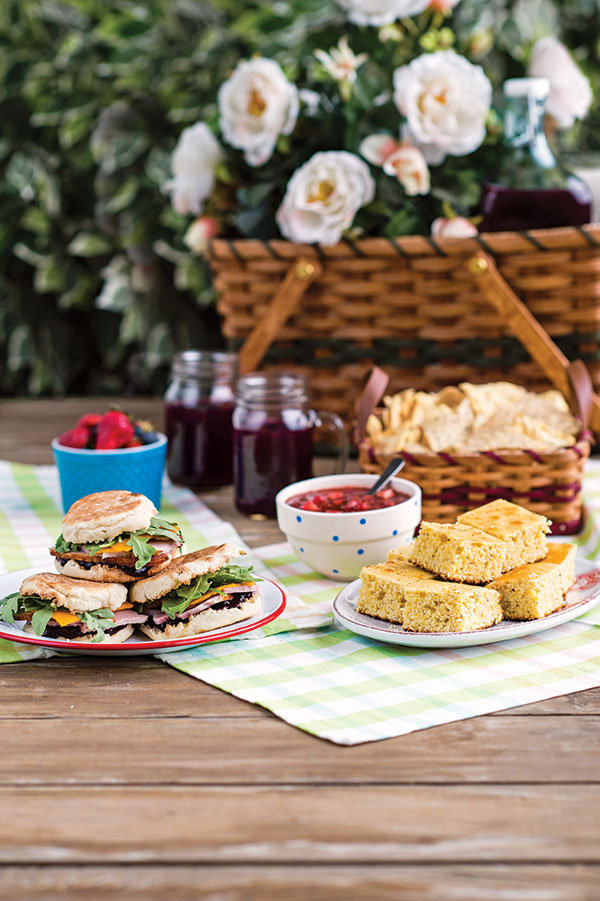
[(383, 588), (400, 554), (459, 553), (531, 591), (563, 556), (450, 607), (523, 531)]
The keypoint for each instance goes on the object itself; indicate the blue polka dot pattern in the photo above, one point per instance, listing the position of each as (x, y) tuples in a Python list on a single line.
[(362, 522), (395, 532), (335, 538), (336, 571), (360, 551), (298, 519), (301, 550)]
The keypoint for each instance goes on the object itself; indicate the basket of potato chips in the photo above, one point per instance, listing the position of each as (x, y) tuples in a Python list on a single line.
[(469, 444)]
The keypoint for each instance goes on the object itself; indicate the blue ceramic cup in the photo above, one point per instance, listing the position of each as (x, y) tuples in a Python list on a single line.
[(138, 469)]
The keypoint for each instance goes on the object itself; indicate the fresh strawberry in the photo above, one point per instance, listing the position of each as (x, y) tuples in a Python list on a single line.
[(77, 437), (89, 420), (114, 430)]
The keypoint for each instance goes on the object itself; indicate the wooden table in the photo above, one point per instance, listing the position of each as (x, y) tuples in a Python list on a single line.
[(130, 780)]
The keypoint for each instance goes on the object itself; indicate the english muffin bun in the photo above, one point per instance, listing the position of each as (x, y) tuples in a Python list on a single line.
[(183, 570), (77, 595), (106, 514), (115, 638), (100, 572), (206, 620)]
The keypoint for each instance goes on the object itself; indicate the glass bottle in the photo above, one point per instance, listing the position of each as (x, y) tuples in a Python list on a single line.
[(198, 412), (531, 189), (273, 429)]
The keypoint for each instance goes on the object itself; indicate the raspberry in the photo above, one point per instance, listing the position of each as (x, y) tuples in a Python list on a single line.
[(77, 437), (114, 430), (89, 420)]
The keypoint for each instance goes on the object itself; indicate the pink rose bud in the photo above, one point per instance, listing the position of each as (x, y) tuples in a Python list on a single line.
[(458, 227), (200, 232)]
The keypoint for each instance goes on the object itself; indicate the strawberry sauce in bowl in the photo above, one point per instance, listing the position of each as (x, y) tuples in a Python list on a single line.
[(346, 499), (336, 528)]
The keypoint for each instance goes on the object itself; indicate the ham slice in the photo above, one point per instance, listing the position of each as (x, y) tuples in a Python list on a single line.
[(123, 617)]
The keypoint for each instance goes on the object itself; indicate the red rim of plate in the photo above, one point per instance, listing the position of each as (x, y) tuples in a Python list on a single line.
[(193, 640)]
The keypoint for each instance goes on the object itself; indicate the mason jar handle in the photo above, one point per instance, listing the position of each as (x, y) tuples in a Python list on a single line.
[(333, 421)]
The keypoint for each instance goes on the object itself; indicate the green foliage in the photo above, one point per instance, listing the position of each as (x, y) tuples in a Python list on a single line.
[(97, 287), (92, 99)]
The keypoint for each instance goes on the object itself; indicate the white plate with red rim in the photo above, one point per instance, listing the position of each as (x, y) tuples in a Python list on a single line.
[(583, 596), (273, 605)]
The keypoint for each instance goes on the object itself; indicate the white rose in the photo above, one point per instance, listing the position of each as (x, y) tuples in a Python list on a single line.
[(323, 196), (193, 163), (458, 227), (381, 12), (570, 93), (445, 99), (257, 104), (404, 161)]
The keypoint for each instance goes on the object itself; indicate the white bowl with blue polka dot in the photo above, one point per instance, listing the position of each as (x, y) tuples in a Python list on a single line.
[(338, 545)]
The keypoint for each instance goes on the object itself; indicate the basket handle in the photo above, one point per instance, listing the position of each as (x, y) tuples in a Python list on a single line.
[(572, 379), (368, 400), (283, 303)]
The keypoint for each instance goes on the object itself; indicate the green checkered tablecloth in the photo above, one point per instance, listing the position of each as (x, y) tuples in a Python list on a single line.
[(320, 678)]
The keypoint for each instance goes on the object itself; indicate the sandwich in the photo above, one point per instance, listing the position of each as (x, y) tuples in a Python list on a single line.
[(115, 536), (55, 606), (196, 593)]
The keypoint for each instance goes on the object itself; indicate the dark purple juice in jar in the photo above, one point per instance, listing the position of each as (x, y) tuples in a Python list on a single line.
[(199, 406), (272, 439), (517, 209)]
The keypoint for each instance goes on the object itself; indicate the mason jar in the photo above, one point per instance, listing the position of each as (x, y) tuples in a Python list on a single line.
[(199, 405), (273, 426)]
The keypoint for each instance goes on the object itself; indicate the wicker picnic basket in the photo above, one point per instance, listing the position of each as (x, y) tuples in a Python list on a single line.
[(408, 304)]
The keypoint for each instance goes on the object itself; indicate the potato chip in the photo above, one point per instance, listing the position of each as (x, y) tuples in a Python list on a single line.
[(470, 418)]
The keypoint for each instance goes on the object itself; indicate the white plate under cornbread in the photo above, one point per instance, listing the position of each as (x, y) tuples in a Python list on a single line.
[(583, 596), (491, 575)]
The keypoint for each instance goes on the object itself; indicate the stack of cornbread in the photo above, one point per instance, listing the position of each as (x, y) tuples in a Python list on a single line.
[(494, 563)]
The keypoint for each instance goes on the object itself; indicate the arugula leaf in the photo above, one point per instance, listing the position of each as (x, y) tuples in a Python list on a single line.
[(141, 550), (232, 573), (161, 527), (173, 605), (181, 598), (40, 619), (95, 620), (9, 606), (63, 547)]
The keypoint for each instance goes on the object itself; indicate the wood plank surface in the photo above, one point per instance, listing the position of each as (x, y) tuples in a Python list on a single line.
[(252, 751), (130, 779), (290, 824), (395, 882)]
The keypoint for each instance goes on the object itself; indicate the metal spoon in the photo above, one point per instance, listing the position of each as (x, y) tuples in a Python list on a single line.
[(388, 474)]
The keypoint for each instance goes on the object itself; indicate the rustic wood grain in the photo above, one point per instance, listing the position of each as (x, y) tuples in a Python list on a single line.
[(348, 824), (430, 882), (260, 751)]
